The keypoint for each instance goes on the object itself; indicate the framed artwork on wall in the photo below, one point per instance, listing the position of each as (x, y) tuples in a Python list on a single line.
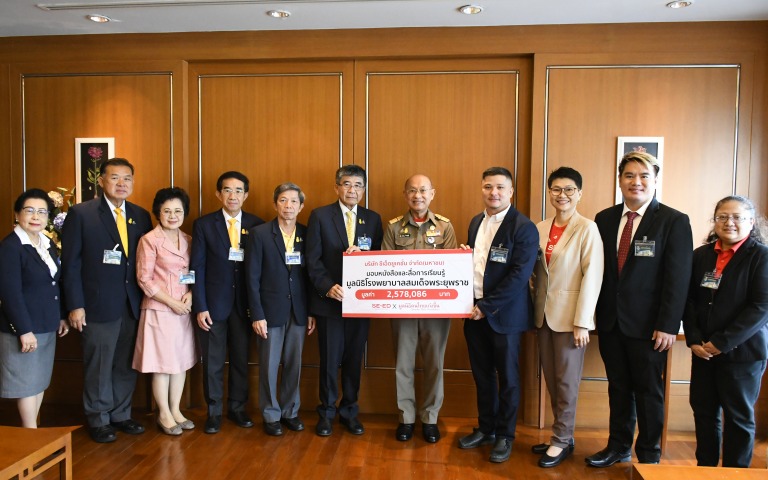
[(650, 145), (90, 153)]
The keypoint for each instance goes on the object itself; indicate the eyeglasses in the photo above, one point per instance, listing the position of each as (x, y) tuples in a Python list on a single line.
[(179, 212), (229, 191), (413, 191), (736, 218), (569, 191), (31, 211), (350, 185)]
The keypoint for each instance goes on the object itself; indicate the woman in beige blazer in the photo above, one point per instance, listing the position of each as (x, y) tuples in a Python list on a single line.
[(566, 283)]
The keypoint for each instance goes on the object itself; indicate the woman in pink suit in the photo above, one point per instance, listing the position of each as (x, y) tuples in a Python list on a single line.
[(165, 345)]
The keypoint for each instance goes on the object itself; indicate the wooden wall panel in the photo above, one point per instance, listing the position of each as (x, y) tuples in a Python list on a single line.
[(134, 109), (7, 181)]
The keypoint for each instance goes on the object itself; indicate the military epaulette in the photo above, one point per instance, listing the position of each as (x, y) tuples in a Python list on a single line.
[(395, 220), (444, 219)]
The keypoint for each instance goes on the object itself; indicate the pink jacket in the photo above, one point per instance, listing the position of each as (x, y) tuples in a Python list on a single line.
[(159, 266)]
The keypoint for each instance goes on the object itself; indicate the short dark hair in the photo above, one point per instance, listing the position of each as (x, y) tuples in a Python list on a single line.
[(759, 230), (644, 158), (170, 193), (350, 171), (284, 187), (115, 162), (565, 172), (236, 176), (490, 172), (32, 193)]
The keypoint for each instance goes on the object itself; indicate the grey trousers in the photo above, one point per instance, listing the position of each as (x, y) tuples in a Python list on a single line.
[(430, 335), (283, 344), (562, 364)]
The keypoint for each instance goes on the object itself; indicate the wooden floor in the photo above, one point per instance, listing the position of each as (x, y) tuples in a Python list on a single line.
[(238, 453)]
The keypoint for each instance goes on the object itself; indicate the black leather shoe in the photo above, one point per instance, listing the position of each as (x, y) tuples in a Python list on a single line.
[(547, 461), (607, 457), (431, 432), (404, 432), (353, 425), (476, 438), (240, 418), (542, 448), (294, 424), (501, 450), (273, 428), (213, 424), (324, 427), (102, 434), (130, 426)]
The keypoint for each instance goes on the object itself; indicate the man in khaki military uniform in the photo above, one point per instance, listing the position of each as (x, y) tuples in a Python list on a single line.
[(419, 228)]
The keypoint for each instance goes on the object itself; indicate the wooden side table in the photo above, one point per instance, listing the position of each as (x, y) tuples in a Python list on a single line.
[(28, 452)]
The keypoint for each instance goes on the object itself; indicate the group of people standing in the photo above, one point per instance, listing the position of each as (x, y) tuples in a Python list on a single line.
[(156, 300)]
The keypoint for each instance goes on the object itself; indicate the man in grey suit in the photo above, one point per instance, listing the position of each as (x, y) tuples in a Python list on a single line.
[(102, 296), (277, 295), (419, 228)]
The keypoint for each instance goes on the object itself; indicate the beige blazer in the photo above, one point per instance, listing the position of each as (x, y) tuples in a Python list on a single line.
[(159, 265), (566, 291)]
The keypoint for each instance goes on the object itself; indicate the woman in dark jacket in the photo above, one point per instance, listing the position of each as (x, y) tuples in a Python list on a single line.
[(30, 306), (726, 327)]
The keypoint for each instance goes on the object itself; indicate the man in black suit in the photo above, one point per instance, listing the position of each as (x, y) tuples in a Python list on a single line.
[(99, 244), (342, 226), (277, 295), (648, 250), (505, 244), (220, 300)]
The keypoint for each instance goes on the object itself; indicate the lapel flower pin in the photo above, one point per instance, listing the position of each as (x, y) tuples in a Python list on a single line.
[(297, 240), (131, 222), (361, 221), (244, 232)]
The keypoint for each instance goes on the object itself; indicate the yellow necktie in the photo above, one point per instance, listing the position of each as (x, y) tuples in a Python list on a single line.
[(122, 229), (233, 238), (350, 228)]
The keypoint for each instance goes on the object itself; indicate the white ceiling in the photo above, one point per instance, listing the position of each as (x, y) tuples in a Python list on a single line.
[(67, 17)]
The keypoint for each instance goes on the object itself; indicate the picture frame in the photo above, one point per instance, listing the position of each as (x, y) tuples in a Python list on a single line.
[(90, 153), (651, 145)]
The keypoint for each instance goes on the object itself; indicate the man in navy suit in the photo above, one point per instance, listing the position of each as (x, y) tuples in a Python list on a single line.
[(220, 300), (342, 226), (277, 294), (505, 244), (648, 251), (99, 244)]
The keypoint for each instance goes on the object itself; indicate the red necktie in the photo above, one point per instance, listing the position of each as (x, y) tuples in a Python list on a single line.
[(626, 239)]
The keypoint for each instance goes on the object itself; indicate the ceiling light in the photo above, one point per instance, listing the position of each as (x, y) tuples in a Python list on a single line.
[(98, 18), (680, 4), (471, 9), (279, 13)]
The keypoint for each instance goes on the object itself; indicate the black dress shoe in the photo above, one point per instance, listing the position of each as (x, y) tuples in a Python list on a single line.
[(607, 457), (213, 424), (404, 432), (324, 427), (102, 434), (431, 432), (547, 461), (273, 428), (294, 424), (130, 426), (476, 438), (240, 418), (541, 448), (501, 450), (353, 425)]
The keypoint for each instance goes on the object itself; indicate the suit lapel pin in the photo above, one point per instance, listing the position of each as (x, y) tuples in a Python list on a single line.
[(361, 221), (244, 232)]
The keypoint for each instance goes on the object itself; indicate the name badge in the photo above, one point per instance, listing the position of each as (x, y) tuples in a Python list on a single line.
[(293, 258), (236, 254), (499, 254), (112, 257), (645, 248), (433, 233), (364, 242), (187, 278), (711, 280)]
